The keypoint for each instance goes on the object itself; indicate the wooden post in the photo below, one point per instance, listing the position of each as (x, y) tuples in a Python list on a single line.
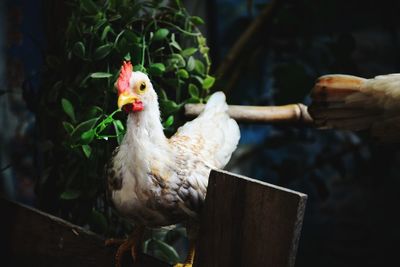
[(248, 223), (33, 238), (293, 113)]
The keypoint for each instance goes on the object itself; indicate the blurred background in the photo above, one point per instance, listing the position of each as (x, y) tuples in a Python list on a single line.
[(352, 183)]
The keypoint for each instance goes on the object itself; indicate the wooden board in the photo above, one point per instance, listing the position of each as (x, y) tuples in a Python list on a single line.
[(33, 238), (249, 223), (244, 223)]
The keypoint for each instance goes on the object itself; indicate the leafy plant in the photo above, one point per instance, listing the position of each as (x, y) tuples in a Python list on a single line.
[(78, 119)]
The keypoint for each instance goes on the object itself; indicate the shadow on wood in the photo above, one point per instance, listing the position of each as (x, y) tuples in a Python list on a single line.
[(249, 223), (33, 238)]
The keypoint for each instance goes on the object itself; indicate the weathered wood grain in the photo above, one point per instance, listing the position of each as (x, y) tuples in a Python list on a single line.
[(248, 223), (244, 223), (293, 113), (33, 238)]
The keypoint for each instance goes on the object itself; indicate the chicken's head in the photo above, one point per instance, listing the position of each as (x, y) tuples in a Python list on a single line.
[(134, 89)]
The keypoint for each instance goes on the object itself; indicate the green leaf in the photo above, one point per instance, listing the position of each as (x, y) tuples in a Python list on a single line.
[(68, 108), (199, 67), (68, 127), (106, 30), (160, 34), (132, 37), (174, 43), (79, 49), (100, 75), (188, 51), (182, 73), (127, 57), (157, 69), (178, 60), (119, 125), (169, 107), (204, 50), (87, 136), (208, 82), (168, 251), (198, 79), (87, 150), (89, 6), (99, 23), (102, 51), (70, 194), (191, 63), (169, 121), (139, 67), (193, 91), (83, 127), (197, 20), (163, 95)]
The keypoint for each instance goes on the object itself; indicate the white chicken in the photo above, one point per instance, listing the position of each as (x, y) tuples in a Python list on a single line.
[(154, 181), (353, 103)]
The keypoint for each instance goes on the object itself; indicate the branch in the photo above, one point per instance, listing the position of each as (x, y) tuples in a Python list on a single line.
[(238, 48), (293, 113)]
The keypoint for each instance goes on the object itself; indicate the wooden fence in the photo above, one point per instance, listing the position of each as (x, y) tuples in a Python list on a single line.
[(245, 222)]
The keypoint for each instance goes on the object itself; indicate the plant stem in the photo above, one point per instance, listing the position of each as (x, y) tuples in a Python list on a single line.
[(143, 49)]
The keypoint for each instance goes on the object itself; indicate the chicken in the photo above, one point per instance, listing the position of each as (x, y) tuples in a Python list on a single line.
[(353, 103), (154, 181)]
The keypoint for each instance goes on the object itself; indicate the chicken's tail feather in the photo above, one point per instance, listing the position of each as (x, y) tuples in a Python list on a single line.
[(340, 102), (216, 103)]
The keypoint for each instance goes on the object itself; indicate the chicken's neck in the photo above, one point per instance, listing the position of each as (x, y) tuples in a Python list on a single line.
[(145, 131)]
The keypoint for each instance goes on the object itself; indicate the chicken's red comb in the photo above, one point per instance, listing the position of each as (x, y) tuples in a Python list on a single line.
[(124, 77)]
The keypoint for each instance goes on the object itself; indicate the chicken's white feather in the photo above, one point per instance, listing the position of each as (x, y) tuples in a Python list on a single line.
[(164, 181)]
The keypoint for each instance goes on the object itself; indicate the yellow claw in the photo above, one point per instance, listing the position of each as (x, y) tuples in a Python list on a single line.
[(189, 258)]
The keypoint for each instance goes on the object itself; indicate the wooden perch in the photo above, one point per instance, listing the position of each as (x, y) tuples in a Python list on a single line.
[(294, 113), (247, 222)]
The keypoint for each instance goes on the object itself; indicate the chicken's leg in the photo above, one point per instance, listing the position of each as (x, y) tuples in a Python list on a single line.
[(132, 243)]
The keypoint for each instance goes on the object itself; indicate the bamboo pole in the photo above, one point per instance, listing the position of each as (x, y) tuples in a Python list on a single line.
[(293, 113)]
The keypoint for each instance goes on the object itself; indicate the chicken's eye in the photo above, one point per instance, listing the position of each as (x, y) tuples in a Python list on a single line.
[(142, 87)]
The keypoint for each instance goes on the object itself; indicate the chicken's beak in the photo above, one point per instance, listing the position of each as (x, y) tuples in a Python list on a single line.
[(130, 99)]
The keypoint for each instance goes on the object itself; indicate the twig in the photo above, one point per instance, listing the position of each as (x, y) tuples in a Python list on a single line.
[(251, 32), (293, 113), (6, 167)]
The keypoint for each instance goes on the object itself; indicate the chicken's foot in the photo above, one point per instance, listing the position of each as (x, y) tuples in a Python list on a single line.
[(132, 243)]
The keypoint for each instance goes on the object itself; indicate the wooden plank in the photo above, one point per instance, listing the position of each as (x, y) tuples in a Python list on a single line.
[(33, 238), (293, 113), (246, 222)]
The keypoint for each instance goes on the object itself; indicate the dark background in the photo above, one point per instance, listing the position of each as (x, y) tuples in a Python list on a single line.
[(352, 183)]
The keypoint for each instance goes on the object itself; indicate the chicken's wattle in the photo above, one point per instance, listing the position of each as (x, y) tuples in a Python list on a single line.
[(134, 107)]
